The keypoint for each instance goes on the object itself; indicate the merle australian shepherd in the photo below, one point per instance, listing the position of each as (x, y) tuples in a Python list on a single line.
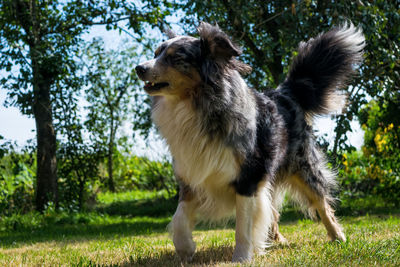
[(236, 150)]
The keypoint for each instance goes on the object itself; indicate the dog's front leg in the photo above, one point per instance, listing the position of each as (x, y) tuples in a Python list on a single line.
[(245, 207), (183, 223)]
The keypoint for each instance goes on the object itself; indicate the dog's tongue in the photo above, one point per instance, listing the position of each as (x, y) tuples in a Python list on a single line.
[(154, 86), (148, 84)]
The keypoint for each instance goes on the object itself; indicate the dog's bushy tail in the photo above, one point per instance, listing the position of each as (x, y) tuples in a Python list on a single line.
[(322, 65)]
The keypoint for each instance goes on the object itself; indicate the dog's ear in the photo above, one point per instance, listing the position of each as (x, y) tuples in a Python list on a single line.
[(166, 30), (215, 43), (170, 33)]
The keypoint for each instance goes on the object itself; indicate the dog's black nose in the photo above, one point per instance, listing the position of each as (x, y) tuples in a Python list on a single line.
[(140, 70)]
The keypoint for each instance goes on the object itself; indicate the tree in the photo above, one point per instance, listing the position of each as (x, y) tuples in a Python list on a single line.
[(38, 42), (112, 81), (32, 41), (77, 159), (270, 31)]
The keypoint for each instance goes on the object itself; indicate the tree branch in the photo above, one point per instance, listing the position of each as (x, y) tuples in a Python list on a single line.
[(238, 26), (87, 22), (275, 68)]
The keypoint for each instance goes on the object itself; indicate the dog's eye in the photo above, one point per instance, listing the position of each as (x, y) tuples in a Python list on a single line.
[(181, 51), (159, 51)]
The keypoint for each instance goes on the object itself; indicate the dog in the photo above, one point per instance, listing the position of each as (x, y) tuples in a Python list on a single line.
[(236, 150)]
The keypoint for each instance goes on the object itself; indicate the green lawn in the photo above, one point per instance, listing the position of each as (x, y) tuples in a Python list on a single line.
[(128, 238)]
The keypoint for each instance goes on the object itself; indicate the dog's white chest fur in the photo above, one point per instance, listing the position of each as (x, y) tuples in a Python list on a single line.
[(207, 166)]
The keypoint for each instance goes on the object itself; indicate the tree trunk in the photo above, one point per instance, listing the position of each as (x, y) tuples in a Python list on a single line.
[(111, 185), (46, 174), (81, 191), (339, 134)]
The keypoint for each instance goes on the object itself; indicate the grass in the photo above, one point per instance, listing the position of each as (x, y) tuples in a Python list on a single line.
[(104, 237)]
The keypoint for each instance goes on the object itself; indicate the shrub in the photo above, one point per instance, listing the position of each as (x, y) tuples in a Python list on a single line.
[(353, 176), (143, 174), (381, 150), (17, 178)]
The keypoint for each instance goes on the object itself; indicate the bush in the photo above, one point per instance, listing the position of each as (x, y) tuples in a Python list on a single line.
[(381, 123), (17, 178), (376, 170), (140, 173), (354, 181)]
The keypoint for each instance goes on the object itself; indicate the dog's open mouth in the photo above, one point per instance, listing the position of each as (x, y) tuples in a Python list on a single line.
[(149, 86)]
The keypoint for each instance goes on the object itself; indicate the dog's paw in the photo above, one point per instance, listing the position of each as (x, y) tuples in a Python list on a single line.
[(185, 255), (339, 236), (186, 252), (242, 255), (241, 258), (281, 240)]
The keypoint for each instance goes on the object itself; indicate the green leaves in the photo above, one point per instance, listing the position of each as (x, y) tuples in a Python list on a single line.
[(17, 174)]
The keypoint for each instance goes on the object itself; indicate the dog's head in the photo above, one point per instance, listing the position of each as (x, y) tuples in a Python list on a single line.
[(183, 63)]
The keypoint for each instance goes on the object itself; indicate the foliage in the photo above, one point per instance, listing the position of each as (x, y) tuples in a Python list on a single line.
[(381, 123), (111, 84), (81, 178), (78, 174), (375, 170), (17, 176), (353, 176), (61, 25), (39, 41), (140, 173)]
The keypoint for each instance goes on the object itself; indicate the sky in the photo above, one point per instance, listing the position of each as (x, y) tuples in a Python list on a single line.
[(20, 128)]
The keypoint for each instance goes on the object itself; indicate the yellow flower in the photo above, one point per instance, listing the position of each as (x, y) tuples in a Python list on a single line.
[(377, 137)]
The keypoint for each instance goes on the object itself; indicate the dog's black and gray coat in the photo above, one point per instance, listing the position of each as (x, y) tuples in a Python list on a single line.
[(260, 144)]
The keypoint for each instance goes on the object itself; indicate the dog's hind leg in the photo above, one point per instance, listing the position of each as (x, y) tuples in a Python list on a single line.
[(183, 223), (277, 199), (274, 233), (307, 195)]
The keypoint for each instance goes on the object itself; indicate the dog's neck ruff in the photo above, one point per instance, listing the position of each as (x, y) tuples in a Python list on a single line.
[(196, 156)]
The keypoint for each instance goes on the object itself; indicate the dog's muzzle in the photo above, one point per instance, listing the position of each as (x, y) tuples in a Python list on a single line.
[(141, 71)]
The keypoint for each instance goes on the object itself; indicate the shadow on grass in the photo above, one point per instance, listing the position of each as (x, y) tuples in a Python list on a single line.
[(204, 257), (158, 207), (208, 256), (127, 218), (82, 232)]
